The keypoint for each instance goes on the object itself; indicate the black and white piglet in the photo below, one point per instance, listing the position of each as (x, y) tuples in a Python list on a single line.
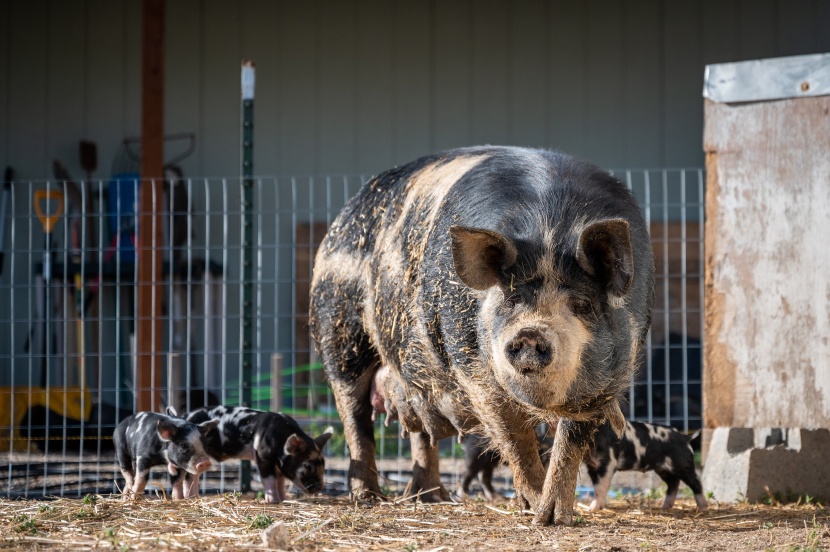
[(275, 442), (481, 460), (147, 439), (478, 461), (643, 447)]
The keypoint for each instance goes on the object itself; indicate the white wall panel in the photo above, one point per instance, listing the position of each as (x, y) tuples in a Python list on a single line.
[(357, 86)]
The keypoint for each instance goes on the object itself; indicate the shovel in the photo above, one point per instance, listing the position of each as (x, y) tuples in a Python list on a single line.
[(49, 208)]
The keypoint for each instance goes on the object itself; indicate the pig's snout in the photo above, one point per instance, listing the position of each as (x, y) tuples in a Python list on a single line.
[(202, 466), (529, 350)]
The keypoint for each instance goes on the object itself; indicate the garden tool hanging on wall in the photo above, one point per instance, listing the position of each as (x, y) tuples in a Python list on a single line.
[(49, 208)]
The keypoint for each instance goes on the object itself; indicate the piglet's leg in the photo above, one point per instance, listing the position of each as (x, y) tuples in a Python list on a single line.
[(673, 483), (281, 487), (272, 479), (425, 473), (128, 483), (140, 482), (191, 485), (486, 477), (569, 446), (602, 482), (271, 491)]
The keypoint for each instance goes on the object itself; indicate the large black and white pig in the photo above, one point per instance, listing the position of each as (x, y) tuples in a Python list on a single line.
[(498, 288), (275, 442), (643, 447), (147, 439)]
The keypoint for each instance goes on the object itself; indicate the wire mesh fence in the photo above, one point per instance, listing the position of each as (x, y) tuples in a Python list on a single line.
[(69, 307)]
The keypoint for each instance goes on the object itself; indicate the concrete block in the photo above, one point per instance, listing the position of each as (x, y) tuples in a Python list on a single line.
[(745, 462)]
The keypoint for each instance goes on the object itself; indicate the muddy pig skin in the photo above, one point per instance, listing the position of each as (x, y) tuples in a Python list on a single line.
[(147, 439), (643, 447), (280, 448), (494, 288)]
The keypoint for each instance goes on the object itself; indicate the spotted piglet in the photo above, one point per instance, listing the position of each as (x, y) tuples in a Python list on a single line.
[(643, 447), (275, 442), (147, 439)]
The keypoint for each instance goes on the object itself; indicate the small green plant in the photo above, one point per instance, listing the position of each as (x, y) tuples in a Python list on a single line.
[(25, 524), (260, 495), (90, 500), (710, 495), (46, 509), (653, 494), (768, 525), (261, 521), (111, 534), (410, 546), (579, 520)]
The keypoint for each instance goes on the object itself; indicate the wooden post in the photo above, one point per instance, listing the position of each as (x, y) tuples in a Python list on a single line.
[(149, 324), (767, 142)]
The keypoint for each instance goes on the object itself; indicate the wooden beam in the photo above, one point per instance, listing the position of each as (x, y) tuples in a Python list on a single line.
[(150, 292)]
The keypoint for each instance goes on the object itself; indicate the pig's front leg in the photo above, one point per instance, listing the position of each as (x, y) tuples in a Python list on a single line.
[(274, 488), (520, 448), (177, 477), (191, 485), (569, 446), (426, 475), (272, 479)]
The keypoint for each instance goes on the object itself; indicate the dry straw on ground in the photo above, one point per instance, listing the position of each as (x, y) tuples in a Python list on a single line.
[(234, 522)]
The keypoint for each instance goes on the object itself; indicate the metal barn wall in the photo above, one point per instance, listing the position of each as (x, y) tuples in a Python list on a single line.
[(358, 86)]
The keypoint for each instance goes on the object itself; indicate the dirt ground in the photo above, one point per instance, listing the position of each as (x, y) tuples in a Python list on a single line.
[(236, 522)]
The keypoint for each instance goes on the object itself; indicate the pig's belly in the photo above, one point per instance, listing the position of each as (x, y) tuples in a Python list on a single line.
[(441, 415)]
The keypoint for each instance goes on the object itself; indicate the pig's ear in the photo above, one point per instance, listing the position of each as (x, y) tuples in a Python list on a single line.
[(295, 445), (324, 438), (166, 430), (205, 427), (604, 252), (171, 411), (480, 256), (615, 417)]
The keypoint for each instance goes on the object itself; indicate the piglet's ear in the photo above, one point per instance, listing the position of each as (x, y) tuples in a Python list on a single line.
[(205, 427), (324, 438), (480, 255), (295, 445), (167, 430), (604, 252)]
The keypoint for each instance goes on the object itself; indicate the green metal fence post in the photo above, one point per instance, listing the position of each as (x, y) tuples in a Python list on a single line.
[(248, 78)]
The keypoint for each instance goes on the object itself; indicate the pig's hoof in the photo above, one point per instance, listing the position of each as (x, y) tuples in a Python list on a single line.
[(367, 495), (521, 502), (439, 495)]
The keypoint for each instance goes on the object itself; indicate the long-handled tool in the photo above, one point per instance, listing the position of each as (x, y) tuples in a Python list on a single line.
[(45, 201), (7, 188)]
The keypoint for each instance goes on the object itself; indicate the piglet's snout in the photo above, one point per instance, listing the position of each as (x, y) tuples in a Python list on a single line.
[(529, 350), (203, 465)]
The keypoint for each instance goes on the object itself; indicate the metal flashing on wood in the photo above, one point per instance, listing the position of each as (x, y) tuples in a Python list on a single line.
[(768, 79)]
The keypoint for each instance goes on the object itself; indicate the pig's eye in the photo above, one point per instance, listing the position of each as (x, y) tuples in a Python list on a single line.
[(513, 300), (185, 447), (581, 307)]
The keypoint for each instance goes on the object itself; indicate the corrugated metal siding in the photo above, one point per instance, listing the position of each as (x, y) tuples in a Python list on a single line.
[(357, 86)]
